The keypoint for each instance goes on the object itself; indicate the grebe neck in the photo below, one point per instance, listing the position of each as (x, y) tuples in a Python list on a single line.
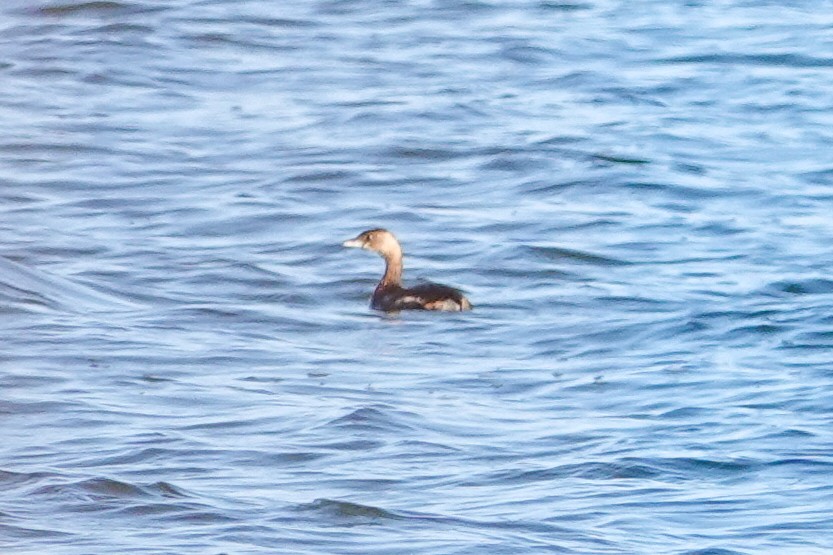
[(393, 270)]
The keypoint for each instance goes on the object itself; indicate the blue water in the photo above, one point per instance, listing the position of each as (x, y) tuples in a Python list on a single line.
[(636, 198)]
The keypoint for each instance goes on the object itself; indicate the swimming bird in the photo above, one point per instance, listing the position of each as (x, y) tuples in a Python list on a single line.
[(390, 295)]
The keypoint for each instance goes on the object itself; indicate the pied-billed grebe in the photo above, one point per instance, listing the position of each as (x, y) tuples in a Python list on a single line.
[(389, 294)]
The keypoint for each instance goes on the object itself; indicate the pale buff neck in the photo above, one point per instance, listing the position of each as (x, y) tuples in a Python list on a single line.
[(393, 269)]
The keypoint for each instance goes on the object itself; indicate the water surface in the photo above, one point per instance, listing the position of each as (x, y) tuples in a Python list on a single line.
[(636, 199)]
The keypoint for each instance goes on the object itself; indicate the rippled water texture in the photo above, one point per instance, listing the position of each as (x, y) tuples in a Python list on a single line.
[(636, 197)]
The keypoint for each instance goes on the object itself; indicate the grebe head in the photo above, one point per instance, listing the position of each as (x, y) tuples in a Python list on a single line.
[(377, 240)]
